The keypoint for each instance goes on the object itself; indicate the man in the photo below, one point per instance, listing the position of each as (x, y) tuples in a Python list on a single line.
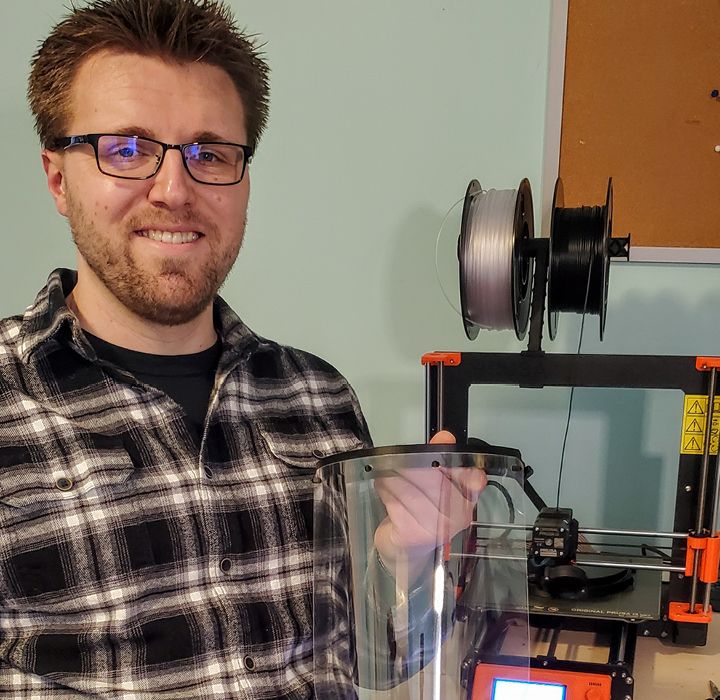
[(156, 456)]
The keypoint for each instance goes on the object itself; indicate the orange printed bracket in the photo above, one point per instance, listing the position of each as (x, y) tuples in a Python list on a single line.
[(680, 612), (703, 364), (708, 549), (446, 359)]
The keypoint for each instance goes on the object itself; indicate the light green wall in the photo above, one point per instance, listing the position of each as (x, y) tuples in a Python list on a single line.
[(381, 112)]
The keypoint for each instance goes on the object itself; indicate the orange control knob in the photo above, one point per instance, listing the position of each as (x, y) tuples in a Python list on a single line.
[(594, 694)]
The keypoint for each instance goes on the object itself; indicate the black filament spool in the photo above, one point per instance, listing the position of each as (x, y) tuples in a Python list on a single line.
[(579, 259), (522, 263)]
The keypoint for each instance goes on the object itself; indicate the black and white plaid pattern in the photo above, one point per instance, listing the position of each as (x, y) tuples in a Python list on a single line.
[(133, 565)]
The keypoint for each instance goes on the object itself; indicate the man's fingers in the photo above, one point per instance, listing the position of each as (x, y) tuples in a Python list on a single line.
[(470, 482), (426, 506)]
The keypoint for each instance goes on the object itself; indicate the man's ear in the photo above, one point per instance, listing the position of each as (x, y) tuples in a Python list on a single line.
[(53, 164)]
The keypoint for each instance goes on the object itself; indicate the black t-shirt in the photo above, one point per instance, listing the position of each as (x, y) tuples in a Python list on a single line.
[(187, 379)]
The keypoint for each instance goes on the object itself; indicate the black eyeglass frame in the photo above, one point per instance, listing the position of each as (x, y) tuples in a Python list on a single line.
[(66, 142)]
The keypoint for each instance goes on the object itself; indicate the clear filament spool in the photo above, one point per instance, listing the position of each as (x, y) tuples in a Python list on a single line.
[(495, 269)]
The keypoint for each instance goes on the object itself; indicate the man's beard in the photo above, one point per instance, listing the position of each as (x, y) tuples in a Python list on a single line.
[(168, 293)]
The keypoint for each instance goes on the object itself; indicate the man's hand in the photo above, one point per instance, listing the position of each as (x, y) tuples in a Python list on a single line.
[(426, 508)]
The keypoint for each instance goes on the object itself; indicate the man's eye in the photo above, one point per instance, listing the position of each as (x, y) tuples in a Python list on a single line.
[(210, 157), (126, 152)]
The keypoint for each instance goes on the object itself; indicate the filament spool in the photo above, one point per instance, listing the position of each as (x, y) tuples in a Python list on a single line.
[(579, 259), (495, 270)]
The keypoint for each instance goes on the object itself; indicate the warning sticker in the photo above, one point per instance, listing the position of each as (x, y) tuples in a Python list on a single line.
[(694, 422)]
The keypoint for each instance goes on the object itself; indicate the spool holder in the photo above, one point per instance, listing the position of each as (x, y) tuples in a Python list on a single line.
[(532, 258), (550, 272)]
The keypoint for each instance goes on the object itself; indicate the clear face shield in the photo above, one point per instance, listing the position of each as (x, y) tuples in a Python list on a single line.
[(420, 575)]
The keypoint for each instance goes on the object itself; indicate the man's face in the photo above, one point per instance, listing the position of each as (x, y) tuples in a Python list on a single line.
[(168, 283)]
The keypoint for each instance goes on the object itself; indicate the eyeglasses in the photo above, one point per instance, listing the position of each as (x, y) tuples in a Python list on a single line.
[(139, 158)]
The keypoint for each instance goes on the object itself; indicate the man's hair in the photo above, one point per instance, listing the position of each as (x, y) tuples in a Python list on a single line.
[(175, 30)]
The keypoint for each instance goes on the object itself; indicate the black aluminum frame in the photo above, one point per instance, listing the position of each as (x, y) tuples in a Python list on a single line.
[(447, 394)]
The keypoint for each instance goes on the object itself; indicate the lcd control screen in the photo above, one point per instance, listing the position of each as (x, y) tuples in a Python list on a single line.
[(527, 690)]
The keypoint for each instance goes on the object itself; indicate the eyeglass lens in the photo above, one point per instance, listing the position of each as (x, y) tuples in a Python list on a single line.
[(129, 156)]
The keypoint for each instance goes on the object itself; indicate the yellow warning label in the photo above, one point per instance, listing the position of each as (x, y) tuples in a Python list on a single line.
[(694, 426), (694, 422), (695, 408), (693, 445)]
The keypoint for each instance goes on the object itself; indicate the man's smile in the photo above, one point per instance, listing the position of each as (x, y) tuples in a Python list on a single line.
[(174, 237)]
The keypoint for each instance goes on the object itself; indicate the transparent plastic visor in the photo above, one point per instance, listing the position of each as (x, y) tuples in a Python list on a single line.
[(420, 574)]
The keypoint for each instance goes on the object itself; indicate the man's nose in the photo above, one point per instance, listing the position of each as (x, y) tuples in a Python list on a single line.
[(172, 186)]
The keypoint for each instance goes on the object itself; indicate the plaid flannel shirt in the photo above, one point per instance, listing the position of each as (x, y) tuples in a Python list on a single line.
[(132, 563)]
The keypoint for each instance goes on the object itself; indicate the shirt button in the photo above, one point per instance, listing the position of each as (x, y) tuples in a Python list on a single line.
[(64, 484), (318, 454), (225, 565), (208, 472), (249, 663)]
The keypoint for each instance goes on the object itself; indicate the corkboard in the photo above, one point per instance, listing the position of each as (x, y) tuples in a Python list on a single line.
[(637, 107)]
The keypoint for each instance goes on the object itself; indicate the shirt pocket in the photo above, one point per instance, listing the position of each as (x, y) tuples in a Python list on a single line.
[(303, 449), (39, 477)]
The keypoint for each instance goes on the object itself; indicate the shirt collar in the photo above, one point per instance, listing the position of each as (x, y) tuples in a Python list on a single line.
[(49, 318)]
